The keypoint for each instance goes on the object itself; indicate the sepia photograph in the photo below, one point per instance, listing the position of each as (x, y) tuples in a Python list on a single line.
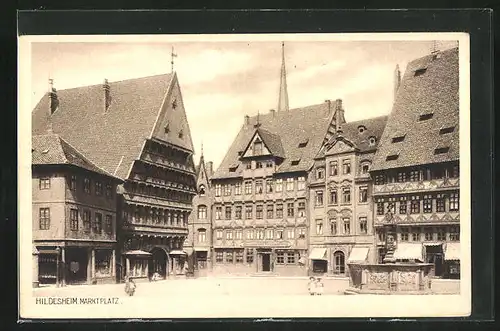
[(244, 176)]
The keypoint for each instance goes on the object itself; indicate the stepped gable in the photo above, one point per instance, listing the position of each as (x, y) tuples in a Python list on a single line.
[(427, 102), (359, 134)]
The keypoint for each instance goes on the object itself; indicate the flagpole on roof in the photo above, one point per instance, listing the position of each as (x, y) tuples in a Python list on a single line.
[(172, 55)]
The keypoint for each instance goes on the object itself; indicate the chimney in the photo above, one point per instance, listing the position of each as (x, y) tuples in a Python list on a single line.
[(247, 119), (397, 81), (53, 100), (107, 95), (210, 168), (273, 112), (339, 115), (329, 106)]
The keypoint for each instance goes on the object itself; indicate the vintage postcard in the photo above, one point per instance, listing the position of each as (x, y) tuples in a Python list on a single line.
[(244, 176)]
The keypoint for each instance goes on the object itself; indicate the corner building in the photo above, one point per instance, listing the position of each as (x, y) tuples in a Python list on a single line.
[(74, 221), (260, 213), (416, 168), (137, 130), (341, 215)]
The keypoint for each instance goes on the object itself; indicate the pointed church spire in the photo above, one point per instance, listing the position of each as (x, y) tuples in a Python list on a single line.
[(283, 97)]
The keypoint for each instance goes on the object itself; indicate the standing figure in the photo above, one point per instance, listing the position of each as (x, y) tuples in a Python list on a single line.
[(311, 286), (319, 287), (130, 286)]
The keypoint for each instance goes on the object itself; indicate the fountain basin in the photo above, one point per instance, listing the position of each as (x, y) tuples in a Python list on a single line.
[(390, 278)]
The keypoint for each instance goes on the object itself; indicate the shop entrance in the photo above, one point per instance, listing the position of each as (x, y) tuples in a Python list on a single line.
[(266, 261), (434, 255), (76, 265), (159, 262)]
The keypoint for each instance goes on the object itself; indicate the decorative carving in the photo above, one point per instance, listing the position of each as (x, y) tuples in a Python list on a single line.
[(407, 278), (378, 278)]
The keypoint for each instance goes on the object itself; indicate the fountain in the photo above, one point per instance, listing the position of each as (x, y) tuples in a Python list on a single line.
[(392, 276)]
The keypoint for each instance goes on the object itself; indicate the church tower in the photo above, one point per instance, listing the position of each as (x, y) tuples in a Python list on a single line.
[(283, 96)]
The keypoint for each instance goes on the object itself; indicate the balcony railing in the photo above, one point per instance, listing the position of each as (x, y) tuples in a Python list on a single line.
[(420, 186), (150, 157)]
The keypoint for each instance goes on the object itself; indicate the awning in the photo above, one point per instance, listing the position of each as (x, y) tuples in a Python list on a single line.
[(177, 252), (358, 254), (406, 251), (318, 254), (201, 249), (432, 243), (47, 251), (137, 252), (452, 252), (188, 250)]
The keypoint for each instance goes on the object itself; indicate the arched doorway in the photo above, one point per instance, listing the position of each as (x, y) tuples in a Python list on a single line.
[(159, 262), (339, 263)]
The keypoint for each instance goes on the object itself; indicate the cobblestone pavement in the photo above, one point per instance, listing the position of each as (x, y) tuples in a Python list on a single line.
[(203, 287), (199, 287)]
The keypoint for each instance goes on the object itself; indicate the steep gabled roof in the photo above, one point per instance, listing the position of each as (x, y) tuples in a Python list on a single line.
[(301, 125), (359, 133), (51, 149), (111, 138), (429, 86)]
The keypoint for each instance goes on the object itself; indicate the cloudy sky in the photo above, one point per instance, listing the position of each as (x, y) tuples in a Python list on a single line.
[(221, 82)]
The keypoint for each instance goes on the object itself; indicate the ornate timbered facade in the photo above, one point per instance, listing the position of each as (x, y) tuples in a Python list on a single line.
[(137, 130), (416, 168)]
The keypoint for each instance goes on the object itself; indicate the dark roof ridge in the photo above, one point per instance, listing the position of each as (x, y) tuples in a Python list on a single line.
[(114, 82)]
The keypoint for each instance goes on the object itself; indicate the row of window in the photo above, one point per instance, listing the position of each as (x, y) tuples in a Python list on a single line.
[(44, 184), (236, 256), (95, 224), (451, 233), (156, 215), (260, 186), (259, 165), (261, 234), (271, 211), (428, 203), (346, 196), (169, 194), (417, 175), (334, 169), (343, 226)]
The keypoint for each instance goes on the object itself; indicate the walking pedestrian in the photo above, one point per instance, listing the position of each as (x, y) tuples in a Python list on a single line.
[(311, 285), (319, 286)]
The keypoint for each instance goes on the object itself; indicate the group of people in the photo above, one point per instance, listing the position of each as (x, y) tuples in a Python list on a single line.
[(315, 286)]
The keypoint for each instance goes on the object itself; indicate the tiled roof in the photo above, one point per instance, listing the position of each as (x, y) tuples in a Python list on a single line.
[(433, 90), (50, 149), (301, 125), (111, 138), (359, 133)]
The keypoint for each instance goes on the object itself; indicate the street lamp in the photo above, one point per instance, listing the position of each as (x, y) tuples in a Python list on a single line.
[(58, 251)]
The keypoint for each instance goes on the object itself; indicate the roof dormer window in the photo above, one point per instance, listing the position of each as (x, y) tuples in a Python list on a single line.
[(361, 128), (441, 150), (398, 138), (392, 157), (425, 117), (303, 143), (420, 72), (447, 130), (295, 162), (372, 141)]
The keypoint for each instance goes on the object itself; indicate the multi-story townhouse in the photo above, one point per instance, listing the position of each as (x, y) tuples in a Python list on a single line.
[(341, 217), (200, 220), (416, 168), (260, 213), (137, 130), (74, 215)]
